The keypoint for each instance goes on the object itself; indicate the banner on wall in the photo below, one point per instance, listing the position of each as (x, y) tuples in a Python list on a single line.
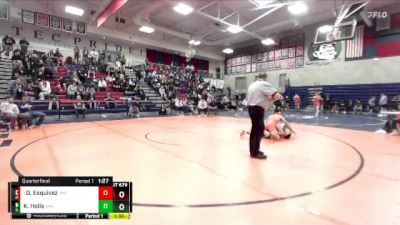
[(81, 28), (3, 11), (28, 17), (42, 20), (55, 22), (67, 25)]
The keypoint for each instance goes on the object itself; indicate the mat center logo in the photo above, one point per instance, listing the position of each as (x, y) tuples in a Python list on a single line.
[(323, 54)]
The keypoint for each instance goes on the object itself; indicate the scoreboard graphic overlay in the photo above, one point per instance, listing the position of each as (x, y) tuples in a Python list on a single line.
[(69, 198)]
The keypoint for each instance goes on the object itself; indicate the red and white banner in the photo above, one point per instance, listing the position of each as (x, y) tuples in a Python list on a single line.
[(355, 46), (42, 20)]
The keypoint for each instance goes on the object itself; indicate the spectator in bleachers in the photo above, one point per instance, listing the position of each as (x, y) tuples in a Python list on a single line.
[(383, 102), (357, 107), (102, 85), (92, 71), (12, 114), (72, 90), (110, 78), (123, 63), (109, 101), (85, 55), (80, 107), (93, 56), (90, 93), (80, 90), (45, 89), (7, 43), (178, 105), (133, 108), (76, 54), (212, 108), (202, 106), (18, 87), (57, 53), (24, 44), (26, 108), (7, 113), (162, 111)]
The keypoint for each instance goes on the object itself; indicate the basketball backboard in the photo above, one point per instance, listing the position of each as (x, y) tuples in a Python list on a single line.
[(335, 33)]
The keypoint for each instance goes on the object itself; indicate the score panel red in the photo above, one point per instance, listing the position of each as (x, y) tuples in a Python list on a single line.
[(105, 192)]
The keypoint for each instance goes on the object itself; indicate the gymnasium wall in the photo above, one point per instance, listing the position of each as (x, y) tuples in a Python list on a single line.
[(341, 72), (47, 39)]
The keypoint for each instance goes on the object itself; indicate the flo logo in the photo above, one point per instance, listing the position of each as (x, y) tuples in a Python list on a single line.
[(377, 15)]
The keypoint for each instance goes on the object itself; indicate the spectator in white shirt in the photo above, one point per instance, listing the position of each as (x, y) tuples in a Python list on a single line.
[(202, 106), (102, 85), (45, 89)]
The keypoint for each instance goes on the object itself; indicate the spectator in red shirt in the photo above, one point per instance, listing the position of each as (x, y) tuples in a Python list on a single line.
[(317, 103), (297, 100)]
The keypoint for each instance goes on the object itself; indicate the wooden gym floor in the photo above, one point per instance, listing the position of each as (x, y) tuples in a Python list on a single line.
[(196, 170)]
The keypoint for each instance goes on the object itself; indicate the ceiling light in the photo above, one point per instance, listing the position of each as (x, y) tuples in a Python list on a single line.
[(268, 41), (74, 10), (234, 29), (297, 8), (194, 42), (146, 29), (183, 9), (227, 51), (325, 29)]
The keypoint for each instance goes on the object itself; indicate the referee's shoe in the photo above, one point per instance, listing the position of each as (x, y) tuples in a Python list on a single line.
[(259, 155)]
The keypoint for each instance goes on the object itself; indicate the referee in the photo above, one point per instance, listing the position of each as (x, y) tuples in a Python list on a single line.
[(259, 96)]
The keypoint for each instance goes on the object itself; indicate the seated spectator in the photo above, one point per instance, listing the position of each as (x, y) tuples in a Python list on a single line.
[(80, 90), (102, 85), (110, 78), (72, 90), (357, 107), (162, 111), (53, 99), (45, 89), (133, 108), (90, 93), (18, 87), (202, 106), (10, 112), (233, 105), (26, 108), (212, 108), (178, 105), (80, 107), (109, 101)]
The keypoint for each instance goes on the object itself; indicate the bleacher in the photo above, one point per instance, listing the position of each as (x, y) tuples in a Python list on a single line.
[(360, 92)]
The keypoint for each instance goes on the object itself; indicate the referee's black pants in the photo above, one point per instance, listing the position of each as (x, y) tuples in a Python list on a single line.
[(257, 128)]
